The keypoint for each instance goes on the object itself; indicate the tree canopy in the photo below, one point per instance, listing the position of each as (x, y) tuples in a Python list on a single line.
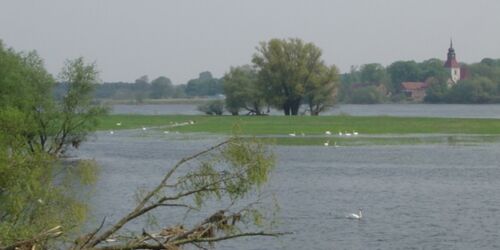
[(287, 68)]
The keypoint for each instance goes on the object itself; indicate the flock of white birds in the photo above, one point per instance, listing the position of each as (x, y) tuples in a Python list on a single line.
[(327, 143), (172, 125)]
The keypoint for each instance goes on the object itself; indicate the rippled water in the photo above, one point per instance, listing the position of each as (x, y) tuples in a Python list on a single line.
[(428, 110), (413, 197)]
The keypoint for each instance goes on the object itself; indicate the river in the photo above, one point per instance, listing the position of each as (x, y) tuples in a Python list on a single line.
[(435, 196), (427, 110)]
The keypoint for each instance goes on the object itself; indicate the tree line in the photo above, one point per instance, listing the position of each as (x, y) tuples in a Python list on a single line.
[(289, 74), (159, 88), (374, 83)]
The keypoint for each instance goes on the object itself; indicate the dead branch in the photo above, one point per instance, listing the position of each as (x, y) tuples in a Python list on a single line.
[(140, 209), (29, 243)]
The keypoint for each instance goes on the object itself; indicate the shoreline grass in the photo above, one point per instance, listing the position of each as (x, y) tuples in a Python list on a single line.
[(308, 125)]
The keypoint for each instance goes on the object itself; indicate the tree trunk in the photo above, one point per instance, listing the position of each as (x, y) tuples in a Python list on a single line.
[(295, 106), (286, 108)]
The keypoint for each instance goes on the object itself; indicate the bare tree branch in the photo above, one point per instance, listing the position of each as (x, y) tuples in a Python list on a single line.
[(139, 209)]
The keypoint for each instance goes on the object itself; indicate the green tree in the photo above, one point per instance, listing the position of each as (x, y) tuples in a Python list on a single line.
[(285, 68), (367, 95), (76, 116), (227, 174), (437, 92), (433, 68), (204, 85), (373, 74), (243, 91), (161, 87), (215, 107), (402, 71), (322, 90), (31, 200)]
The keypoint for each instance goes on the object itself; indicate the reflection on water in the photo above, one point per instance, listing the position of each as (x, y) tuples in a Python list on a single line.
[(422, 110), (413, 196)]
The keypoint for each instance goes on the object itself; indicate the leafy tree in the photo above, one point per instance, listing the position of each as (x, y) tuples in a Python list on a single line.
[(433, 68), (477, 90), (76, 116), (367, 95), (437, 92), (402, 71), (228, 173), (373, 74), (204, 85), (161, 87), (31, 200), (285, 68), (243, 91), (322, 90), (215, 107)]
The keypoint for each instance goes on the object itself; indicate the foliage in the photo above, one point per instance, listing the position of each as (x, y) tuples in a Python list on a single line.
[(204, 85), (286, 69), (161, 87), (228, 173), (367, 95), (321, 92), (373, 74), (242, 91), (403, 71), (35, 194), (215, 107)]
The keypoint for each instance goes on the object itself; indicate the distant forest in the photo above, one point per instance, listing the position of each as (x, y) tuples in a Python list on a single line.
[(159, 88), (367, 84)]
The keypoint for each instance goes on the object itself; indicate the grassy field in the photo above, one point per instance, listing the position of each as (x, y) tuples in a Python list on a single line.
[(373, 130), (310, 126)]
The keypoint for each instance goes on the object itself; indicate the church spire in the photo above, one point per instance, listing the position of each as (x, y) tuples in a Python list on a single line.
[(451, 43)]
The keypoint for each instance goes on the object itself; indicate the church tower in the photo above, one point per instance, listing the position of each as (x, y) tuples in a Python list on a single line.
[(452, 65)]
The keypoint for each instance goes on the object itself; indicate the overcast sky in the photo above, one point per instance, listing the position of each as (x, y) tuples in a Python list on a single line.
[(179, 39)]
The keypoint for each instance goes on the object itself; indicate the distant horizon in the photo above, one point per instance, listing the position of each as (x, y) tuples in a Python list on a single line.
[(180, 39)]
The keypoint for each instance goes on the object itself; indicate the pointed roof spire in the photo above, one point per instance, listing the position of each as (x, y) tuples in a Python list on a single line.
[(451, 43)]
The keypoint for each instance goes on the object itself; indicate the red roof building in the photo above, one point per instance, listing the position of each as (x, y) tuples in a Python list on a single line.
[(415, 90)]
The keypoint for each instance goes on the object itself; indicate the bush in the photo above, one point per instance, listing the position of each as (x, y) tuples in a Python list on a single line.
[(215, 107)]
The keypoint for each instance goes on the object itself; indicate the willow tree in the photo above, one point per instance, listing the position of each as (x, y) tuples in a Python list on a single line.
[(321, 91), (228, 175), (242, 91), (287, 70)]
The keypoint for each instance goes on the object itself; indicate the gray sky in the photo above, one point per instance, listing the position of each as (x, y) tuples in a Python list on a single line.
[(179, 39)]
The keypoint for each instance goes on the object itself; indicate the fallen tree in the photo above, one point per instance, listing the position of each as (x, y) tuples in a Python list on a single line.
[(230, 173)]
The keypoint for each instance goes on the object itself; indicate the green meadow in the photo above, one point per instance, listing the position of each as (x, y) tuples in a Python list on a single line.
[(309, 130)]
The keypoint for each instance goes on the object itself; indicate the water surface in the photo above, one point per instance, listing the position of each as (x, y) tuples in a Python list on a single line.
[(420, 110), (414, 196)]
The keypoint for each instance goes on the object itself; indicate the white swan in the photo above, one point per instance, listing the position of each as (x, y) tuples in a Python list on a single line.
[(118, 124), (292, 134), (355, 216), (144, 128), (111, 132), (354, 132), (326, 143), (340, 133), (328, 132), (347, 134)]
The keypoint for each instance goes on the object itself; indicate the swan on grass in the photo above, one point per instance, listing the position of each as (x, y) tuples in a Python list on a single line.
[(326, 144), (328, 133), (292, 134), (355, 216)]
